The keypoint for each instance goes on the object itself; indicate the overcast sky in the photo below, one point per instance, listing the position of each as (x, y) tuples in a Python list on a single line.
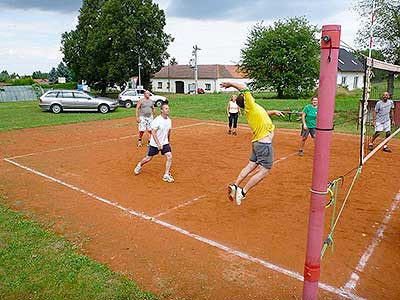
[(30, 30)]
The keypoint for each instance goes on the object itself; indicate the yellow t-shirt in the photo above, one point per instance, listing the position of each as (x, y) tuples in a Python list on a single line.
[(258, 119)]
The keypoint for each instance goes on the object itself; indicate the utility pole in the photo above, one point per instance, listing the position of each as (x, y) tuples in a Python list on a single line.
[(140, 66), (196, 75)]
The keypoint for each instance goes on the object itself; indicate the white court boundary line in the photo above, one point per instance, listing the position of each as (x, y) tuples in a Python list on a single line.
[(353, 281), (95, 143), (292, 274), (179, 206)]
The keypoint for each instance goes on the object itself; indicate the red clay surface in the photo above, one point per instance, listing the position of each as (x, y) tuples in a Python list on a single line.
[(271, 224)]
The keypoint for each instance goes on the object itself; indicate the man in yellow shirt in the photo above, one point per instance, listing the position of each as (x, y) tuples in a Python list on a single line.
[(262, 156)]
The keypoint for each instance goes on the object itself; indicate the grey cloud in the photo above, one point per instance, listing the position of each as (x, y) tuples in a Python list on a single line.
[(45, 5), (254, 10)]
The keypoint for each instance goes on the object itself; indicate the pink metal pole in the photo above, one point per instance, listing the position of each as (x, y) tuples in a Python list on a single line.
[(330, 44)]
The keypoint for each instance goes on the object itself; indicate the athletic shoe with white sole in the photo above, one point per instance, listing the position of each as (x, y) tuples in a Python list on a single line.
[(168, 178), (137, 169), (386, 149), (231, 191), (239, 196)]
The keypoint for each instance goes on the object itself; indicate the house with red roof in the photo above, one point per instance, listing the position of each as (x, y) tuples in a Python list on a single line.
[(180, 78)]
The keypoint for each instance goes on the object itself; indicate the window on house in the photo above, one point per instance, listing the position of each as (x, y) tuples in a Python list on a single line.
[(159, 85), (168, 85), (341, 61), (344, 80), (208, 87), (355, 83), (355, 63)]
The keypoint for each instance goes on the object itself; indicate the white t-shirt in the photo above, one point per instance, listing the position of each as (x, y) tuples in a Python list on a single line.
[(382, 110), (162, 126), (233, 107)]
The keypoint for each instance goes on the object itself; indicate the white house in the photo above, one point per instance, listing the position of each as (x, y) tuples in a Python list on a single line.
[(350, 71), (180, 78)]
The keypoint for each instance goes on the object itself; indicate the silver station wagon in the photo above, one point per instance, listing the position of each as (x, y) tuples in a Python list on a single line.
[(57, 101)]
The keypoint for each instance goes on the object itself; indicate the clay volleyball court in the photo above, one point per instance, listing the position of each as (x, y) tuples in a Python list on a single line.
[(185, 240)]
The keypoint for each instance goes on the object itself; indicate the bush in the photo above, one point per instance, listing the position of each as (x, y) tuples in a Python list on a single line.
[(21, 81), (68, 86)]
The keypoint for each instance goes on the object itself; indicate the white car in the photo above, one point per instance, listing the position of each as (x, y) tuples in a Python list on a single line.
[(130, 97)]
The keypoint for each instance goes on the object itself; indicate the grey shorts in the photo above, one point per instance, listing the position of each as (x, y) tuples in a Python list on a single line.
[(262, 154), (308, 131)]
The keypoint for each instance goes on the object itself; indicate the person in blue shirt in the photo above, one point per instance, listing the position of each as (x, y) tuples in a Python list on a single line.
[(309, 123)]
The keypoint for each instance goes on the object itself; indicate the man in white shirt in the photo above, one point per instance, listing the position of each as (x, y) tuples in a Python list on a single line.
[(383, 116), (159, 141)]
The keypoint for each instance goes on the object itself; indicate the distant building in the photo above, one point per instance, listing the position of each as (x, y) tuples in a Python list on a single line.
[(350, 71), (41, 80), (180, 78)]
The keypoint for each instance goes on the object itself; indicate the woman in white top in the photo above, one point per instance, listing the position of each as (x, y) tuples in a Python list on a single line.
[(233, 111)]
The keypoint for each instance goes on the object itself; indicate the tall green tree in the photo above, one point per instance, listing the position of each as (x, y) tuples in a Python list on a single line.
[(53, 75), (110, 37), (63, 71), (4, 76), (40, 75), (284, 56), (386, 28)]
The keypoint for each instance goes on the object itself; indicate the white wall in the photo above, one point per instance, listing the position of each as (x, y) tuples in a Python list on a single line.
[(214, 84), (350, 79)]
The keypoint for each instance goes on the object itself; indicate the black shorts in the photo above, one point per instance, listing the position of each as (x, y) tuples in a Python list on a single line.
[(154, 150), (308, 131)]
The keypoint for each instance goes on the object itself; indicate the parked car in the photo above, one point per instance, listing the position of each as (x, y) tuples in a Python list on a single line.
[(57, 101), (130, 98)]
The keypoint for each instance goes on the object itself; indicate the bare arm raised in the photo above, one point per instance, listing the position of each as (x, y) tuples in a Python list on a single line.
[(236, 85)]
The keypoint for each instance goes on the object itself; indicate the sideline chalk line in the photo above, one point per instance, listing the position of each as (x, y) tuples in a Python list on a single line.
[(95, 143), (353, 281), (292, 274)]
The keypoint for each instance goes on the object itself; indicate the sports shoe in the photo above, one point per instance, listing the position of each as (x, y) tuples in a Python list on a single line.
[(168, 178), (386, 149), (229, 132), (234, 133), (300, 153), (370, 146), (231, 191), (137, 169), (239, 196), (139, 143)]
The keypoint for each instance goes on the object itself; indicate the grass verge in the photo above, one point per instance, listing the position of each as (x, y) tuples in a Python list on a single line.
[(36, 264)]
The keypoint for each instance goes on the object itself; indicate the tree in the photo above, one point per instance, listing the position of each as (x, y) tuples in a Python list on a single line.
[(4, 76), (63, 71), (53, 75), (173, 61), (110, 36), (386, 28), (40, 75), (284, 56)]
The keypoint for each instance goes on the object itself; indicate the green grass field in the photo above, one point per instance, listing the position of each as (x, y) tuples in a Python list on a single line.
[(18, 115)]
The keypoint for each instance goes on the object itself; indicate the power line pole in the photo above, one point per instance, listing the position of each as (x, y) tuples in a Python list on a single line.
[(140, 66), (196, 75)]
